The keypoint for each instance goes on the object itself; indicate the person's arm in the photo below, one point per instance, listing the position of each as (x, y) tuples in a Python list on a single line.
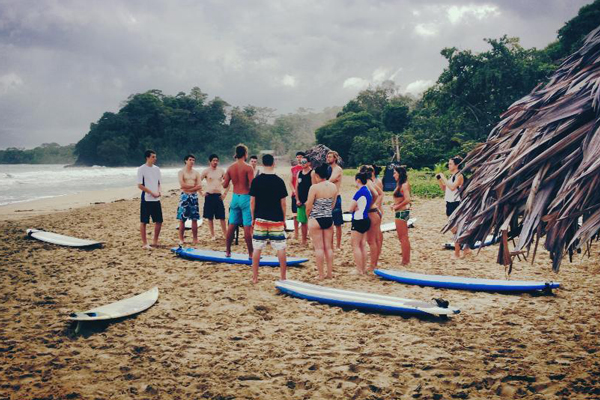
[(310, 200), (453, 186), (298, 203), (441, 180), (336, 175), (252, 205), (353, 206), (226, 179), (334, 197), (283, 206), (313, 177), (292, 184), (198, 187), (374, 192), (224, 195)]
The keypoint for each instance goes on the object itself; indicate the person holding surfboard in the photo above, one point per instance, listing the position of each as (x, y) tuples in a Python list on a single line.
[(451, 187), (336, 179), (401, 208), (241, 174), (268, 203), (148, 179), (188, 208), (214, 196), (319, 208), (360, 206)]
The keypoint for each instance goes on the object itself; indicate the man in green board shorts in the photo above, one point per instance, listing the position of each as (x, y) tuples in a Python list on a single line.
[(241, 174)]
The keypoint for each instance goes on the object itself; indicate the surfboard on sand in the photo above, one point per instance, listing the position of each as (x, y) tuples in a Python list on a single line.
[(61, 240), (361, 300), (391, 226), (464, 283), (188, 224), (118, 309), (236, 258), (489, 240)]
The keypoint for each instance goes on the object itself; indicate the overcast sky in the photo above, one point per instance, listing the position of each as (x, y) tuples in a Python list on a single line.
[(63, 63)]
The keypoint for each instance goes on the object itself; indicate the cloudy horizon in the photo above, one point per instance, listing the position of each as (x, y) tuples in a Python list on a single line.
[(65, 63)]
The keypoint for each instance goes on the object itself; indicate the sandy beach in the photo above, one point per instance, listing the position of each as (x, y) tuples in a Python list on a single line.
[(214, 335)]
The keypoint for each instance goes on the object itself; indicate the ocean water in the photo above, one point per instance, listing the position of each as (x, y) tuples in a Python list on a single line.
[(25, 182)]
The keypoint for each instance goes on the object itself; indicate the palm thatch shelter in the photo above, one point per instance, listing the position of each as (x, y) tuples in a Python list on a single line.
[(538, 173)]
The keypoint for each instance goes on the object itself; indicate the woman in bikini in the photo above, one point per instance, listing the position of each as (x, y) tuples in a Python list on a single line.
[(374, 235), (319, 207), (401, 208)]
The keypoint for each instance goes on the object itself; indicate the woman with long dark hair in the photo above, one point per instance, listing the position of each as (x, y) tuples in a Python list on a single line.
[(374, 235), (401, 208)]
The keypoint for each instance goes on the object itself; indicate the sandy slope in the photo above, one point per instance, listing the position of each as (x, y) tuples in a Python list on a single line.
[(214, 335)]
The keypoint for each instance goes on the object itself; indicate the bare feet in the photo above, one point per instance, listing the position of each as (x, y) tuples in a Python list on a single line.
[(146, 247)]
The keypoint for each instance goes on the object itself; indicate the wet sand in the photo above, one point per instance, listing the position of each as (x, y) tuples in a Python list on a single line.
[(214, 335)]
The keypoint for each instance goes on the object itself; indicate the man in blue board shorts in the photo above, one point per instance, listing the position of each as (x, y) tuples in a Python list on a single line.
[(148, 179), (241, 174)]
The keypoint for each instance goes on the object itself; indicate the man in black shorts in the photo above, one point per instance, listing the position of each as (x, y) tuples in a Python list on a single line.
[(213, 202), (148, 179)]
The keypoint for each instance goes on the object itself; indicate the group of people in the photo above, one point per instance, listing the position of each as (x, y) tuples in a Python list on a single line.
[(259, 205)]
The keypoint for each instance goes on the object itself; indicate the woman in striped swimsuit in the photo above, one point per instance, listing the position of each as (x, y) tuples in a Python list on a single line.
[(319, 207)]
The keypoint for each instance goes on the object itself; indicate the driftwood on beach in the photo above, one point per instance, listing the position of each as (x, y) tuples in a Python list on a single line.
[(539, 170)]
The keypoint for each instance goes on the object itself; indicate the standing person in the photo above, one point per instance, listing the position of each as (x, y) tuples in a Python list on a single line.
[(450, 188), (319, 207), (190, 183), (148, 179), (214, 195), (254, 165), (379, 184), (268, 204), (241, 174), (294, 180), (303, 184), (360, 206), (336, 179), (374, 235), (401, 208)]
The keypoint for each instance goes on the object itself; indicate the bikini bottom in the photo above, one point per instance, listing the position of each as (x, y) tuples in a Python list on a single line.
[(325, 223)]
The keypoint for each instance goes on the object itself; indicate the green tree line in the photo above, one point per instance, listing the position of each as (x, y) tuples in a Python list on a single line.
[(459, 111), (47, 153), (174, 126)]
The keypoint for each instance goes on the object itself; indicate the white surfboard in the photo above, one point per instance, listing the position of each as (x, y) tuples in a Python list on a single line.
[(391, 226), (188, 224), (61, 240), (289, 225), (361, 300), (119, 309)]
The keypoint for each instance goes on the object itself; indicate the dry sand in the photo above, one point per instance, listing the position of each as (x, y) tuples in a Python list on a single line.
[(214, 335)]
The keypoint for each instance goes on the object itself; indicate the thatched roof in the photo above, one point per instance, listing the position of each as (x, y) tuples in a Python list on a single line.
[(318, 155), (539, 170)]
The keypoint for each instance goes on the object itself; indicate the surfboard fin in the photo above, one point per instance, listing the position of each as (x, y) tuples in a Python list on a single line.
[(441, 302)]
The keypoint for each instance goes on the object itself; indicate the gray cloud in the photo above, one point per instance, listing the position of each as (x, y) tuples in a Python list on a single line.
[(64, 63)]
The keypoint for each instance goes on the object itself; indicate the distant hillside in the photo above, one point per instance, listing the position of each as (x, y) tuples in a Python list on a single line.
[(47, 153)]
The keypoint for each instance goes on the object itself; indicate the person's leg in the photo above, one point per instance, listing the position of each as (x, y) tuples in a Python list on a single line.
[(255, 261), (230, 233), (317, 238), (157, 227), (456, 254), (211, 228), (282, 264), (295, 217), (223, 227), (143, 233), (195, 232), (338, 236), (356, 238), (402, 229), (248, 239), (363, 246), (327, 241), (181, 231), (338, 221), (372, 238)]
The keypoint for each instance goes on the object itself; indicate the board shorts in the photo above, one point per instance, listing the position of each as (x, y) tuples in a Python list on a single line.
[(403, 215), (451, 206), (239, 210), (269, 231), (338, 217), (151, 209), (188, 207), (301, 216), (294, 205), (361, 225), (213, 207)]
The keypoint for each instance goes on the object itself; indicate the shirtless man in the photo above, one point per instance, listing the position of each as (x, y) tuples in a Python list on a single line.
[(214, 196), (190, 183), (336, 178), (254, 165), (241, 174)]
